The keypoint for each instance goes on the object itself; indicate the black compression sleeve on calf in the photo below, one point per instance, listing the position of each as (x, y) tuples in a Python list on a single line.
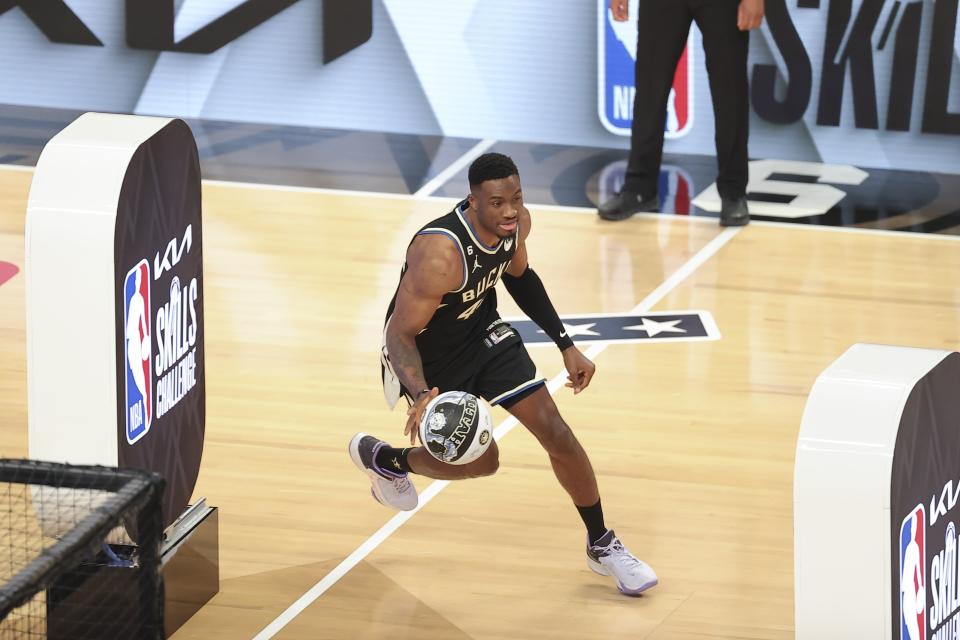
[(528, 291)]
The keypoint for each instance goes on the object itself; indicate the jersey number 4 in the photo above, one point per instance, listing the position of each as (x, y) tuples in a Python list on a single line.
[(469, 311)]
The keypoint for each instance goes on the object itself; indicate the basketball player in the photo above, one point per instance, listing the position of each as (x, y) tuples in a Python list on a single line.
[(443, 333)]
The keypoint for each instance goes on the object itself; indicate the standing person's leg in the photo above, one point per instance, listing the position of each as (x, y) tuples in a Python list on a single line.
[(606, 555), (662, 28), (726, 48)]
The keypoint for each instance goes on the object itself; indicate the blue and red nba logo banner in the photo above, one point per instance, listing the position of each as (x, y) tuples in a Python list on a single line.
[(913, 576), (616, 56), (136, 320), (675, 188)]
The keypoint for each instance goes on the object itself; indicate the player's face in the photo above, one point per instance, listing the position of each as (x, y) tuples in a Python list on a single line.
[(498, 204)]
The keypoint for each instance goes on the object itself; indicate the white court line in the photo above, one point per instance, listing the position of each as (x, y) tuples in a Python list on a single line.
[(394, 523), (864, 231), (563, 208), (457, 165)]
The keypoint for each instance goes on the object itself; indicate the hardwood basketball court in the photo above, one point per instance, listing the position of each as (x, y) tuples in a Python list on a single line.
[(693, 442)]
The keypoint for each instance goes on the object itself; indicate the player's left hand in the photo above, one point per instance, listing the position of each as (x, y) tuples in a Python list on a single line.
[(580, 369), (749, 14)]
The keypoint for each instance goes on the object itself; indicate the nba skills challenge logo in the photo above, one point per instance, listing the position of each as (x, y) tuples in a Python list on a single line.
[(617, 56), (136, 319), (174, 362), (913, 579)]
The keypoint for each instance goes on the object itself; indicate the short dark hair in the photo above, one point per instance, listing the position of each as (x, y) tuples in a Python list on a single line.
[(491, 166)]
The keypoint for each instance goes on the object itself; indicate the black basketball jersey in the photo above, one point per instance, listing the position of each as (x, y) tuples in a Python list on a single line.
[(466, 312)]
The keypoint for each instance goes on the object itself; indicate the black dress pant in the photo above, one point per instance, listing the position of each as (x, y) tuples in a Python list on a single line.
[(663, 28)]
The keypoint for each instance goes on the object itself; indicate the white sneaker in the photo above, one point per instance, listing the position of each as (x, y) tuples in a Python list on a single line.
[(610, 558), (388, 488)]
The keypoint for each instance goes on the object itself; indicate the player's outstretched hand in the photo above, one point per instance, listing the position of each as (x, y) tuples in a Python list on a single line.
[(415, 412), (580, 369)]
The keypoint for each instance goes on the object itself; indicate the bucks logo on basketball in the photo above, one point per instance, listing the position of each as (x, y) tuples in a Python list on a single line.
[(455, 427), (139, 378), (617, 56)]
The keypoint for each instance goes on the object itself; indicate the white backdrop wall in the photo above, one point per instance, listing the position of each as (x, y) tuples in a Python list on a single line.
[(500, 69)]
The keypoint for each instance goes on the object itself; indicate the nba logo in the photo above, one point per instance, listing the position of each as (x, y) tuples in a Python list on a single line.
[(139, 374), (674, 186), (617, 55), (913, 577), (675, 189)]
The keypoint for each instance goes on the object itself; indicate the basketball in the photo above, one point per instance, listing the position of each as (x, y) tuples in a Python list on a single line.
[(456, 427)]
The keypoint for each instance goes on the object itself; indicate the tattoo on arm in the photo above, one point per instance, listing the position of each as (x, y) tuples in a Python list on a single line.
[(434, 268), (405, 359)]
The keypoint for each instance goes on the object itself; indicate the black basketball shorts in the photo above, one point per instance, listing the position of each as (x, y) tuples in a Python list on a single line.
[(510, 376), (496, 367)]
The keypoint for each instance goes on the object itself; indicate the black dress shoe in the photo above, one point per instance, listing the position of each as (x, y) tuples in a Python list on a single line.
[(734, 213), (625, 204)]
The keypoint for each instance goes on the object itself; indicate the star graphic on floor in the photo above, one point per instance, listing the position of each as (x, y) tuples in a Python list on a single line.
[(653, 328), (574, 330)]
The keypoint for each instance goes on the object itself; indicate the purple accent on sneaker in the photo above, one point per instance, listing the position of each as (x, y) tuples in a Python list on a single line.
[(386, 473), (638, 590), (599, 549)]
